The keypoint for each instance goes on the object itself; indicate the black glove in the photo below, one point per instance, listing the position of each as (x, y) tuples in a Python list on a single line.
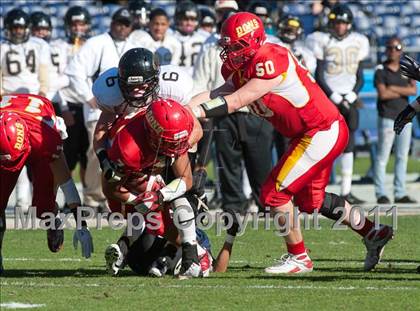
[(403, 118), (109, 170), (410, 67)]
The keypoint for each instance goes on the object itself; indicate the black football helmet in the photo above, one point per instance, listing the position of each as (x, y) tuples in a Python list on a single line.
[(16, 18), (340, 13), (77, 14), (138, 76), (289, 29), (140, 10), (41, 20), (186, 10), (207, 17)]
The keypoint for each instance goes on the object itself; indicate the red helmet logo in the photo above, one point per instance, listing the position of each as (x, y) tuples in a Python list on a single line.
[(14, 141), (242, 35), (169, 126)]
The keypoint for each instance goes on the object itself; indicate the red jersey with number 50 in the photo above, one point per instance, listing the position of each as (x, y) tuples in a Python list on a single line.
[(296, 106), (39, 115)]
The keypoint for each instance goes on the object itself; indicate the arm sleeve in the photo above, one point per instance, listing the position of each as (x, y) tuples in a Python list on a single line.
[(81, 69), (44, 65), (320, 78)]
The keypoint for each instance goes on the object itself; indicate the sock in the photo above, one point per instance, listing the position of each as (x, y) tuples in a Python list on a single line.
[(123, 244), (346, 172), (185, 217), (365, 229), (296, 249)]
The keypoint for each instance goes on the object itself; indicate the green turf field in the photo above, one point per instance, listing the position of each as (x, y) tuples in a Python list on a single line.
[(64, 281)]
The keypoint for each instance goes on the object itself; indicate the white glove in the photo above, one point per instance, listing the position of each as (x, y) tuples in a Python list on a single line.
[(336, 98), (83, 235), (351, 97)]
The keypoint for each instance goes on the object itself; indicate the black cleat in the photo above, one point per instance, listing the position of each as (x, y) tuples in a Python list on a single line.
[(352, 199)]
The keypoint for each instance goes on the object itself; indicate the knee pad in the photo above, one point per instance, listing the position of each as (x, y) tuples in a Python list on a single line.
[(330, 204)]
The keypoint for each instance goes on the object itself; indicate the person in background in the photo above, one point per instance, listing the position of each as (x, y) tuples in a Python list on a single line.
[(77, 25), (140, 10), (339, 71), (157, 39), (98, 54), (187, 16), (393, 91), (262, 10), (207, 22)]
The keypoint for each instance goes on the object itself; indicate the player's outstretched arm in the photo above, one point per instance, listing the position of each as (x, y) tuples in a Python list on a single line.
[(253, 90), (63, 178)]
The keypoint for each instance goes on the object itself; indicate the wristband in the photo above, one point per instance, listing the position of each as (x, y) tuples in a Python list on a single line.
[(216, 107)]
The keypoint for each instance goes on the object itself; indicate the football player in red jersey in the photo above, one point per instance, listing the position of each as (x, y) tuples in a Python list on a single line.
[(146, 146), (30, 133), (272, 83)]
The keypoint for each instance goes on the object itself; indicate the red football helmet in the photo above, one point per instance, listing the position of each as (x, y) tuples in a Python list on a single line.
[(242, 34), (14, 141), (169, 126)]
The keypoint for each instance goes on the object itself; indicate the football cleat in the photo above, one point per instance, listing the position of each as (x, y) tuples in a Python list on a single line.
[(55, 237), (191, 271), (291, 264), (159, 267), (114, 259), (375, 242)]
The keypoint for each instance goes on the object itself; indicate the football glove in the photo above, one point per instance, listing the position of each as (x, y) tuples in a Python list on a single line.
[(109, 170), (410, 68), (351, 97), (85, 238), (405, 116), (336, 98)]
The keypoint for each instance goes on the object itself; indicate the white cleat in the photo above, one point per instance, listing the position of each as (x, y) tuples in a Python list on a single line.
[(193, 271), (114, 259), (375, 242), (158, 268), (291, 264)]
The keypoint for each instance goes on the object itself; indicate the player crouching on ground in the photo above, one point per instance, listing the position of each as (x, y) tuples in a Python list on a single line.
[(151, 144), (31, 133), (268, 79)]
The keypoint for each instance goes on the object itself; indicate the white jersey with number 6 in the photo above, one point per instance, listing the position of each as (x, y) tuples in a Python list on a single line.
[(174, 83), (342, 57)]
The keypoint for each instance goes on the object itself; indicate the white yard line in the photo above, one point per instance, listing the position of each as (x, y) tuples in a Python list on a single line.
[(19, 305), (41, 259), (293, 287)]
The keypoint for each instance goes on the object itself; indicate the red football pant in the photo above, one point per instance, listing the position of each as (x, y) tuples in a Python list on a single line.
[(44, 191), (304, 170)]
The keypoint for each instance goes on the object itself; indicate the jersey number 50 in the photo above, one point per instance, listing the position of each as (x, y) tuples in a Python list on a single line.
[(263, 68)]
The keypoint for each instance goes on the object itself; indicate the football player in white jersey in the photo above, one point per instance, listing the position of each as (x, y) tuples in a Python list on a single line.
[(24, 59), (186, 23), (158, 39), (339, 54), (290, 32)]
